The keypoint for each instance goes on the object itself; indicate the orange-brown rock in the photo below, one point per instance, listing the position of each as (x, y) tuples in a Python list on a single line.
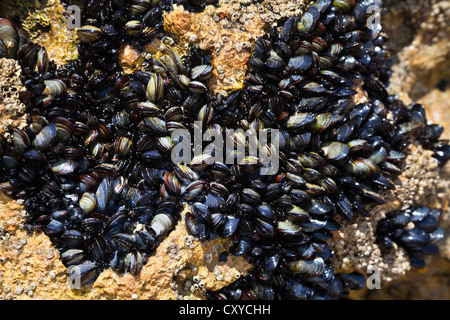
[(129, 58), (11, 108), (181, 268), (230, 49)]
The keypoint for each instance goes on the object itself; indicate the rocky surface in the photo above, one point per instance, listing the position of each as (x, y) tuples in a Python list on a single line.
[(354, 245), (46, 24), (182, 267), (229, 33), (419, 32), (11, 109)]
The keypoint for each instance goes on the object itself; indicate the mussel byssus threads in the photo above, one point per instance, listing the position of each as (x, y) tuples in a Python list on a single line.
[(94, 163)]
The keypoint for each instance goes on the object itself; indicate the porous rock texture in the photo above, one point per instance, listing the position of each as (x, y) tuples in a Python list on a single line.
[(11, 109), (182, 267)]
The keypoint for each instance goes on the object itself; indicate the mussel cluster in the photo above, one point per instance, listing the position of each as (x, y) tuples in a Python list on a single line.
[(335, 155), (94, 164), (415, 229)]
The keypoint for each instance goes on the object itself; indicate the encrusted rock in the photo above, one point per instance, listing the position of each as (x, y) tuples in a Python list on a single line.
[(177, 260), (183, 267), (47, 24), (11, 109), (229, 33), (354, 245), (230, 49)]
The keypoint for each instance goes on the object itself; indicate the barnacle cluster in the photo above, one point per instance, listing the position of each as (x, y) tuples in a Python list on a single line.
[(94, 164), (12, 110)]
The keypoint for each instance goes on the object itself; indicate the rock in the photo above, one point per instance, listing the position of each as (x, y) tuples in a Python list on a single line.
[(419, 33), (354, 245), (183, 267), (229, 33), (46, 23), (167, 275), (11, 109), (230, 49)]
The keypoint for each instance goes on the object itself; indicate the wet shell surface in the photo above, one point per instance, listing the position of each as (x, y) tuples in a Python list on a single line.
[(94, 165)]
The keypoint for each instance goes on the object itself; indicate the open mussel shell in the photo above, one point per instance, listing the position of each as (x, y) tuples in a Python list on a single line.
[(299, 63), (308, 20), (230, 226), (173, 61), (64, 166), (197, 87), (156, 125), (192, 225), (288, 229), (123, 145), (72, 257), (134, 262), (42, 60), (45, 137), (55, 87), (88, 202), (185, 172), (362, 167), (301, 119), (148, 109), (21, 140), (194, 189), (202, 212), (296, 214), (165, 144), (174, 114), (103, 194), (274, 61), (344, 5), (201, 161), (336, 152), (133, 27)]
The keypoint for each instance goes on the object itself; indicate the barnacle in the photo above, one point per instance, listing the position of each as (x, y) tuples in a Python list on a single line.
[(95, 163)]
